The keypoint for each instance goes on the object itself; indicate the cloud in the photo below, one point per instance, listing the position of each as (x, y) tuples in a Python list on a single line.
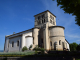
[(78, 40), (73, 36)]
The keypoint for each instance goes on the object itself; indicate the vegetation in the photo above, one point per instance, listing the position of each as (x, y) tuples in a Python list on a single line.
[(24, 48), (15, 54), (30, 47), (74, 47), (78, 47), (71, 7), (38, 49)]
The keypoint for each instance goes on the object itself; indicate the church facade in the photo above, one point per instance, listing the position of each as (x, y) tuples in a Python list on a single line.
[(45, 34)]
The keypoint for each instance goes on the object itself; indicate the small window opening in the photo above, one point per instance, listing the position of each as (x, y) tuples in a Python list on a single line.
[(53, 23), (12, 44), (41, 40), (50, 21), (43, 16), (50, 16), (51, 43), (44, 20), (17, 43), (38, 17), (59, 42)]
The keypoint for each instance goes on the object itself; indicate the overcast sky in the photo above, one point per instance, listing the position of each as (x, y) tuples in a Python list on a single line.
[(18, 15)]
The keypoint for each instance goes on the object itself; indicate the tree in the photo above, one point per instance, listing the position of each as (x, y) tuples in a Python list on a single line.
[(30, 47), (71, 7), (78, 47), (73, 46), (24, 48), (39, 49)]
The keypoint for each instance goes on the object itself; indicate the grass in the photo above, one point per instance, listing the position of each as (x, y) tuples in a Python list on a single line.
[(77, 59), (16, 53)]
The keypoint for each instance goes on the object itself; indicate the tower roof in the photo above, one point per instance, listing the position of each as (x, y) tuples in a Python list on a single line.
[(56, 26), (43, 12)]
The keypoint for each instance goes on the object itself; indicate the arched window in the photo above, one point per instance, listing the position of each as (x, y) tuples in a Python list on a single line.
[(43, 16), (50, 21), (53, 23), (38, 22), (51, 43), (50, 16), (17, 43), (53, 18), (38, 17), (59, 42), (12, 44), (44, 20)]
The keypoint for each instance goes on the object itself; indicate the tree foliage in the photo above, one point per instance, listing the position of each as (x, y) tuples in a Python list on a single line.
[(24, 48), (73, 46), (71, 7), (39, 49), (78, 47), (30, 47)]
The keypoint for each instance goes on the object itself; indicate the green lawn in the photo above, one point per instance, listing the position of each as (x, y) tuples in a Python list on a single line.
[(17, 53)]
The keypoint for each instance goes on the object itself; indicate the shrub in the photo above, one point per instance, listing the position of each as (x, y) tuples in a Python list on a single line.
[(30, 47), (39, 49), (24, 48)]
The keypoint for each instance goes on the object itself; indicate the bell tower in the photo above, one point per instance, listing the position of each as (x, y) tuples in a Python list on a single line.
[(45, 17), (43, 21)]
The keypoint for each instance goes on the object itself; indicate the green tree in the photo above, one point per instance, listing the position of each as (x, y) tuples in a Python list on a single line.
[(71, 7), (78, 47), (24, 48), (73, 46)]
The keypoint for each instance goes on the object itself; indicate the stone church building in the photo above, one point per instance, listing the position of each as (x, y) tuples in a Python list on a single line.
[(45, 34)]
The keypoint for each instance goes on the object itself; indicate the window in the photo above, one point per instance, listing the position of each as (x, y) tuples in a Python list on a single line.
[(17, 43), (38, 22), (50, 21), (43, 16), (53, 18), (50, 16), (59, 42), (38, 17), (53, 23), (12, 44), (44, 20), (50, 43), (33, 40)]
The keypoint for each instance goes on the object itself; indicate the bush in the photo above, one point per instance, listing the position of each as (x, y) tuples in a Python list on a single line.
[(39, 49), (30, 47), (24, 48)]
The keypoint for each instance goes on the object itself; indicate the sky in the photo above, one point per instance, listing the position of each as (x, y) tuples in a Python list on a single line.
[(18, 15)]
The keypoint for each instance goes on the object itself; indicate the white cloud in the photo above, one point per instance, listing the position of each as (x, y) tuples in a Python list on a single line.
[(78, 40), (73, 36)]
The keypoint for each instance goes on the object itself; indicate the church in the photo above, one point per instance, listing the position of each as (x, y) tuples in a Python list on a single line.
[(46, 34)]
